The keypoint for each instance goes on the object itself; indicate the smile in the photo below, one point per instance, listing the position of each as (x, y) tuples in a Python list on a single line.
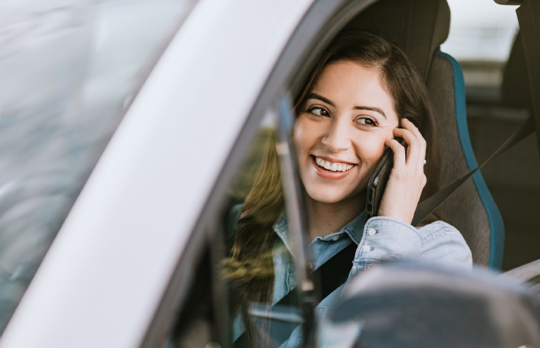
[(333, 166)]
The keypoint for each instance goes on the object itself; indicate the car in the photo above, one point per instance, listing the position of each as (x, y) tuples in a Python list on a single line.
[(132, 129)]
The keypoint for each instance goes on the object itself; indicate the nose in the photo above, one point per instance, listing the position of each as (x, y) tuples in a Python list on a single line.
[(336, 138)]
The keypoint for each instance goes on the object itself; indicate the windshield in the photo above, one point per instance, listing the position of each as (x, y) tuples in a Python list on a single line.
[(69, 69)]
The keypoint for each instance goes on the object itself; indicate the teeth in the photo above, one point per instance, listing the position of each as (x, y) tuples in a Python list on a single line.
[(334, 167), (327, 165)]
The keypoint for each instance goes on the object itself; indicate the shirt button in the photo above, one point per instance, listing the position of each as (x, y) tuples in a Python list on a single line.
[(372, 232), (366, 248), (335, 238)]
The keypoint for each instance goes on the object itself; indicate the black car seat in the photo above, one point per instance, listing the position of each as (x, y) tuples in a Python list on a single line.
[(419, 27)]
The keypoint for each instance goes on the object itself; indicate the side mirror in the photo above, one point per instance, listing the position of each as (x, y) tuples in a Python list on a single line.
[(409, 304)]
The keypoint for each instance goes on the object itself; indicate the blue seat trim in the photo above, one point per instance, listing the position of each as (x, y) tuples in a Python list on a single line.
[(495, 219)]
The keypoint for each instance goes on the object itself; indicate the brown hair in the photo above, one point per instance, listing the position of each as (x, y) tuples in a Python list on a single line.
[(250, 267)]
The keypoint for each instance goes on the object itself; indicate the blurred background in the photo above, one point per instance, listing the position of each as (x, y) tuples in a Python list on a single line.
[(68, 71), (481, 37)]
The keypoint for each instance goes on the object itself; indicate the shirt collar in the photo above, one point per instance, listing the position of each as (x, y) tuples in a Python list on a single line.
[(281, 228), (353, 229)]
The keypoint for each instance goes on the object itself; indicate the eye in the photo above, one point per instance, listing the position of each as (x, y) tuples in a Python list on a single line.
[(367, 121), (318, 111)]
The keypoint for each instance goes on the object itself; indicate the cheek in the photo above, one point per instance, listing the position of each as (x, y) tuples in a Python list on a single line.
[(304, 134), (370, 148)]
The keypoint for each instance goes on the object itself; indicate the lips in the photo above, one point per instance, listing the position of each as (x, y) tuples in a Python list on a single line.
[(333, 166), (335, 171)]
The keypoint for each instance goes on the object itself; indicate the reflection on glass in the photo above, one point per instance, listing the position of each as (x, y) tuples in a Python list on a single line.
[(68, 71), (259, 266)]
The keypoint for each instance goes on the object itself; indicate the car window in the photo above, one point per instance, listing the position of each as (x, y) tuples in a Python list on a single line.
[(202, 314), (235, 282), (483, 45), (68, 71), (256, 269)]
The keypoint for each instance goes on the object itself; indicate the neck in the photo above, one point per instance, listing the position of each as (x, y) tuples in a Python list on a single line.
[(328, 218)]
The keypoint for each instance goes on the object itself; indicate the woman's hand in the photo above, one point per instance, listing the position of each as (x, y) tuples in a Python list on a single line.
[(407, 178)]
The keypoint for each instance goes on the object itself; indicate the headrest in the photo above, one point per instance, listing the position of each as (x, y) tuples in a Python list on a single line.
[(418, 27)]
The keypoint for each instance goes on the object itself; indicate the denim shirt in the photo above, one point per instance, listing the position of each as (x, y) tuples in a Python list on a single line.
[(377, 239)]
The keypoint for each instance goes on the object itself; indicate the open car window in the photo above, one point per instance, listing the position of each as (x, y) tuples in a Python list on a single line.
[(236, 215), (68, 71), (252, 298), (496, 94)]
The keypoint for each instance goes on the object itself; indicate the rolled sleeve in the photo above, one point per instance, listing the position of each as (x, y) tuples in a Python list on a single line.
[(443, 243), (386, 238)]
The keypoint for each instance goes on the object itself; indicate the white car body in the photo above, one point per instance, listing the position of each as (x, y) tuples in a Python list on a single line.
[(146, 193)]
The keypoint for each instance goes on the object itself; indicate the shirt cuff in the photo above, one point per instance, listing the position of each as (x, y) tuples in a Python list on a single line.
[(386, 238)]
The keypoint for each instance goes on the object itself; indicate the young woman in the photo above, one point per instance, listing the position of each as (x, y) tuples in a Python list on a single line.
[(361, 95)]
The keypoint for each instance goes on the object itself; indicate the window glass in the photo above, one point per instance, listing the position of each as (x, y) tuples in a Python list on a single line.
[(256, 266), (475, 37), (482, 44), (482, 36), (68, 71)]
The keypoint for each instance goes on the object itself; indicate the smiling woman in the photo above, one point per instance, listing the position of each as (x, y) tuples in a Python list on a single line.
[(362, 93), (337, 137), (361, 120), (340, 135)]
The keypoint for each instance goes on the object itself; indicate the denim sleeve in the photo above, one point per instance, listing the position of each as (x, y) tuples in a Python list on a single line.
[(386, 238), (444, 244)]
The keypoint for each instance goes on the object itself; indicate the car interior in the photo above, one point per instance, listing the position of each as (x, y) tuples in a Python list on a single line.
[(496, 209), (513, 178), (471, 209)]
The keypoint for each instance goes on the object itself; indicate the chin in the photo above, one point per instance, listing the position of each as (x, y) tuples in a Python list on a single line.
[(324, 196)]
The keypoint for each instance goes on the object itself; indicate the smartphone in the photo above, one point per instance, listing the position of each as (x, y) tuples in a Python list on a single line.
[(377, 182)]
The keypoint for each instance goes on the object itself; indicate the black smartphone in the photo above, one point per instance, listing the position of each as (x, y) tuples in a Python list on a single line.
[(377, 182)]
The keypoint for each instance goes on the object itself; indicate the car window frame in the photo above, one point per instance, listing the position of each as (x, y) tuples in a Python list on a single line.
[(319, 25)]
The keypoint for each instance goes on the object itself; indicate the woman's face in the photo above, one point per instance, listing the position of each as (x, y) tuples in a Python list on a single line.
[(340, 134)]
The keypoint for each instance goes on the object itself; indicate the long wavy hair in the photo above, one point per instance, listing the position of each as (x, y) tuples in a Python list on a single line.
[(250, 266)]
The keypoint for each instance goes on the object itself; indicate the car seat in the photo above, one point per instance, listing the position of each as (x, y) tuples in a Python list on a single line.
[(419, 27)]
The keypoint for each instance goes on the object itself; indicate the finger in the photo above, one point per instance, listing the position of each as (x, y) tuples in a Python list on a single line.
[(416, 132), (414, 151), (399, 153)]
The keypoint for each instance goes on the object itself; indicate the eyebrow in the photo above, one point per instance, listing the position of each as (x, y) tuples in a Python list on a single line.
[(372, 108)]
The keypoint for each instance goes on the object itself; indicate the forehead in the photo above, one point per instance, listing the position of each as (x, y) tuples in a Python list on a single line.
[(350, 84)]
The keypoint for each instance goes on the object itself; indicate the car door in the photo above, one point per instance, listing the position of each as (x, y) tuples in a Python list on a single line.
[(103, 280), (138, 262), (207, 320), (195, 309), (69, 71)]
